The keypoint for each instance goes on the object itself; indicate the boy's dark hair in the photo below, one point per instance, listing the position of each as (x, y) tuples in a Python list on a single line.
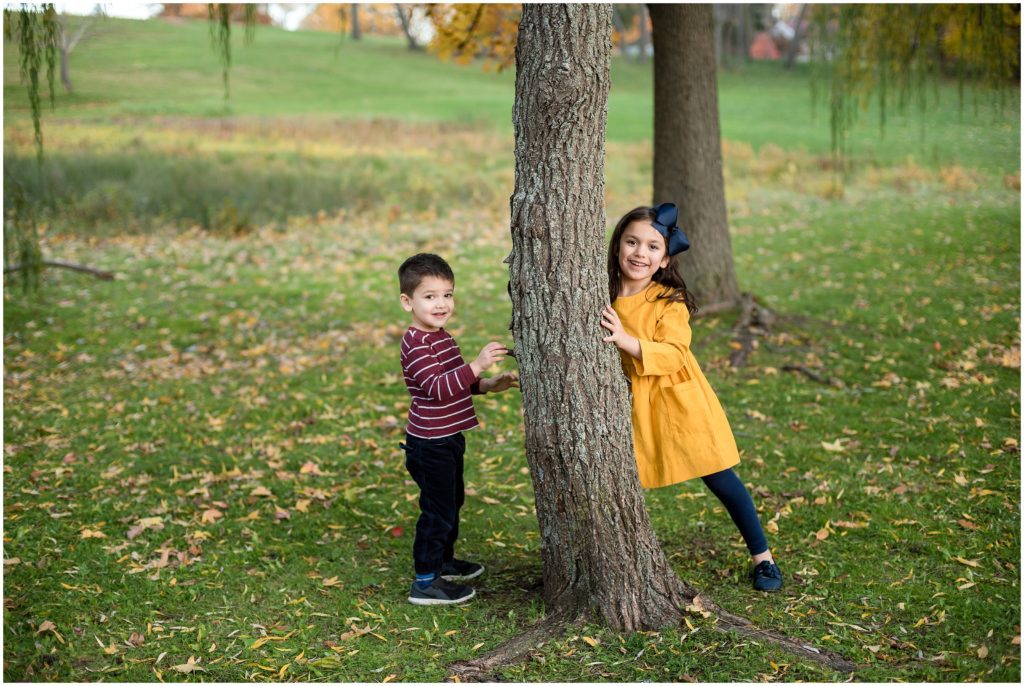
[(668, 277), (419, 266)]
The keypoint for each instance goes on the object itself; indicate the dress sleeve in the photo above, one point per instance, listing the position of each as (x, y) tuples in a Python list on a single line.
[(666, 353)]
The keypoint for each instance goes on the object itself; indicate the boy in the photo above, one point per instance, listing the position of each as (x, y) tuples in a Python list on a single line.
[(440, 383)]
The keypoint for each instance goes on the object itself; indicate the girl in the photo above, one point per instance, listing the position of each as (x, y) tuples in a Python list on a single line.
[(679, 429)]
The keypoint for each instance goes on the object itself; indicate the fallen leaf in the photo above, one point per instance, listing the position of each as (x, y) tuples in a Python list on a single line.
[(397, 531), (261, 491), (969, 563), (967, 525), (333, 581), (835, 446), (592, 642), (136, 639), (47, 625), (983, 652), (91, 533), (302, 504), (188, 667), (960, 479), (211, 515)]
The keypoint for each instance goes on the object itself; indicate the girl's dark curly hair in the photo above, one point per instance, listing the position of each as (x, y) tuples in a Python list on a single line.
[(668, 276)]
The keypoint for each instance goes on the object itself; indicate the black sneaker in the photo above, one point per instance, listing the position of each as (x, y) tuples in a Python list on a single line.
[(440, 592), (460, 570), (767, 576)]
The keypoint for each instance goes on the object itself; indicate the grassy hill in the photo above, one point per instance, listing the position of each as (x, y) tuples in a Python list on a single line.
[(158, 68)]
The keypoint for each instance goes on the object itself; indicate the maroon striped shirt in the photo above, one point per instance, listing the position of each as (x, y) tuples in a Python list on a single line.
[(440, 383)]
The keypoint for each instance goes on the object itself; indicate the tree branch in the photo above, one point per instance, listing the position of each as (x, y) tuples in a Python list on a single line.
[(98, 273)]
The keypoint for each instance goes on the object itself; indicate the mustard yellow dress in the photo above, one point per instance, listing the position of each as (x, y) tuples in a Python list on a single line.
[(680, 431)]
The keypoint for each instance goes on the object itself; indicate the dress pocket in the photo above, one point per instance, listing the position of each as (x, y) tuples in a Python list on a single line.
[(683, 409)]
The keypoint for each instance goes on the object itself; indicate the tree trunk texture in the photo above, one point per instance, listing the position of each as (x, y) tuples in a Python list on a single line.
[(688, 149), (598, 547)]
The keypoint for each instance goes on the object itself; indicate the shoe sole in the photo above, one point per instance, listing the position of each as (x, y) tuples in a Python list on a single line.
[(467, 577), (439, 601)]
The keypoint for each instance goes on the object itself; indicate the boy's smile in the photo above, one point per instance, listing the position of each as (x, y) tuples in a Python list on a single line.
[(431, 304)]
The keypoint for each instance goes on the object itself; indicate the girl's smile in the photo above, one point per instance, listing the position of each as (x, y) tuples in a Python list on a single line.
[(642, 252)]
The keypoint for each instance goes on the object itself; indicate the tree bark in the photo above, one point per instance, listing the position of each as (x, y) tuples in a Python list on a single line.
[(599, 550), (688, 148)]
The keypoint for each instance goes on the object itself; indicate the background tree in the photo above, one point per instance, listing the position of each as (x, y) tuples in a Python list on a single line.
[(688, 148), (404, 14)]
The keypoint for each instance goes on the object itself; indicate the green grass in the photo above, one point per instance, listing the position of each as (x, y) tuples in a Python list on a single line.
[(257, 376)]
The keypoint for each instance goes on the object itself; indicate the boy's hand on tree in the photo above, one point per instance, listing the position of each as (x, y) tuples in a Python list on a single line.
[(499, 383), (492, 354)]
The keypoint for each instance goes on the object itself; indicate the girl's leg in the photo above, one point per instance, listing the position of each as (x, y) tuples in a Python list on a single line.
[(728, 488)]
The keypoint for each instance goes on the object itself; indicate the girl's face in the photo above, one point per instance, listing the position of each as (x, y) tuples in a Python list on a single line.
[(642, 252)]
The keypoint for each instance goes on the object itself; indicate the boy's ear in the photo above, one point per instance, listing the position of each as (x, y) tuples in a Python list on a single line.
[(406, 302)]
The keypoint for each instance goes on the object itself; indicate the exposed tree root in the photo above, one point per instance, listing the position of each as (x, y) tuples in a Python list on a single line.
[(481, 669), (813, 376), (741, 625), (511, 651), (755, 320), (98, 273)]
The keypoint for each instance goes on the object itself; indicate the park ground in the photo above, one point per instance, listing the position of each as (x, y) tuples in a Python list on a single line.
[(202, 478)]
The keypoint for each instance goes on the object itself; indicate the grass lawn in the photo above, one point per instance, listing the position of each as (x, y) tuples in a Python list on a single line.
[(201, 472)]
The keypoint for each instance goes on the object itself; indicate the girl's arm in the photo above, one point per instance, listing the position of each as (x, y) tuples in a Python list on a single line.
[(666, 353)]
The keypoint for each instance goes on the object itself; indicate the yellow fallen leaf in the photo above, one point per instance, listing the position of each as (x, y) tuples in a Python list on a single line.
[(47, 625), (592, 642), (389, 677), (302, 504), (822, 534), (835, 446), (969, 563), (110, 649), (211, 515), (983, 652), (333, 581), (91, 533), (261, 491), (960, 479)]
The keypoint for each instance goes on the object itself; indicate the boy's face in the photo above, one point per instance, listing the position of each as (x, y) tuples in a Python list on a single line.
[(431, 304)]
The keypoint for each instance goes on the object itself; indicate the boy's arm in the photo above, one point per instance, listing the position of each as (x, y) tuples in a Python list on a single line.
[(425, 369)]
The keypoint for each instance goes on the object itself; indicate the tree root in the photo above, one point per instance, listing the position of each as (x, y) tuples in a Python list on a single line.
[(813, 376), (728, 622), (480, 668), (755, 320), (98, 273)]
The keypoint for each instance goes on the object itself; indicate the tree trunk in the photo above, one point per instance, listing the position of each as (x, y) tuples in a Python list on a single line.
[(403, 19), (65, 71), (687, 147), (794, 45), (356, 31), (597, 545), (645, 35)]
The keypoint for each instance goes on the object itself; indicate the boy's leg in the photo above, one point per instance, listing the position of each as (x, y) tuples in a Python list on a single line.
[(458, 451), (432, 464)]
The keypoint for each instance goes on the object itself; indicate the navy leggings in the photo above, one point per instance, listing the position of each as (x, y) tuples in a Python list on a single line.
[(728, 488)]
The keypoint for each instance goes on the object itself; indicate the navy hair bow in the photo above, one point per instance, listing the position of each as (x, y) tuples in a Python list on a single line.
[(665, 223)]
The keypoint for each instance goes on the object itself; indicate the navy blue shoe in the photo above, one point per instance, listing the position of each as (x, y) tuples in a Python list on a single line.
[(767, 577)]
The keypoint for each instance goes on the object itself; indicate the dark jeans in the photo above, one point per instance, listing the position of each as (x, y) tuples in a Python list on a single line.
[(436, 467), (728, 488)]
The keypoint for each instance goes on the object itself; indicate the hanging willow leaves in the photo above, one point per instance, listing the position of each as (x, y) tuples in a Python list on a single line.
[(36, 32), (900, 50), (220, 33)]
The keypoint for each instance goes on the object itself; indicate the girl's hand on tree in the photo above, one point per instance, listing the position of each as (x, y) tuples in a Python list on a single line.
[(499, 383), (622, 340)]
